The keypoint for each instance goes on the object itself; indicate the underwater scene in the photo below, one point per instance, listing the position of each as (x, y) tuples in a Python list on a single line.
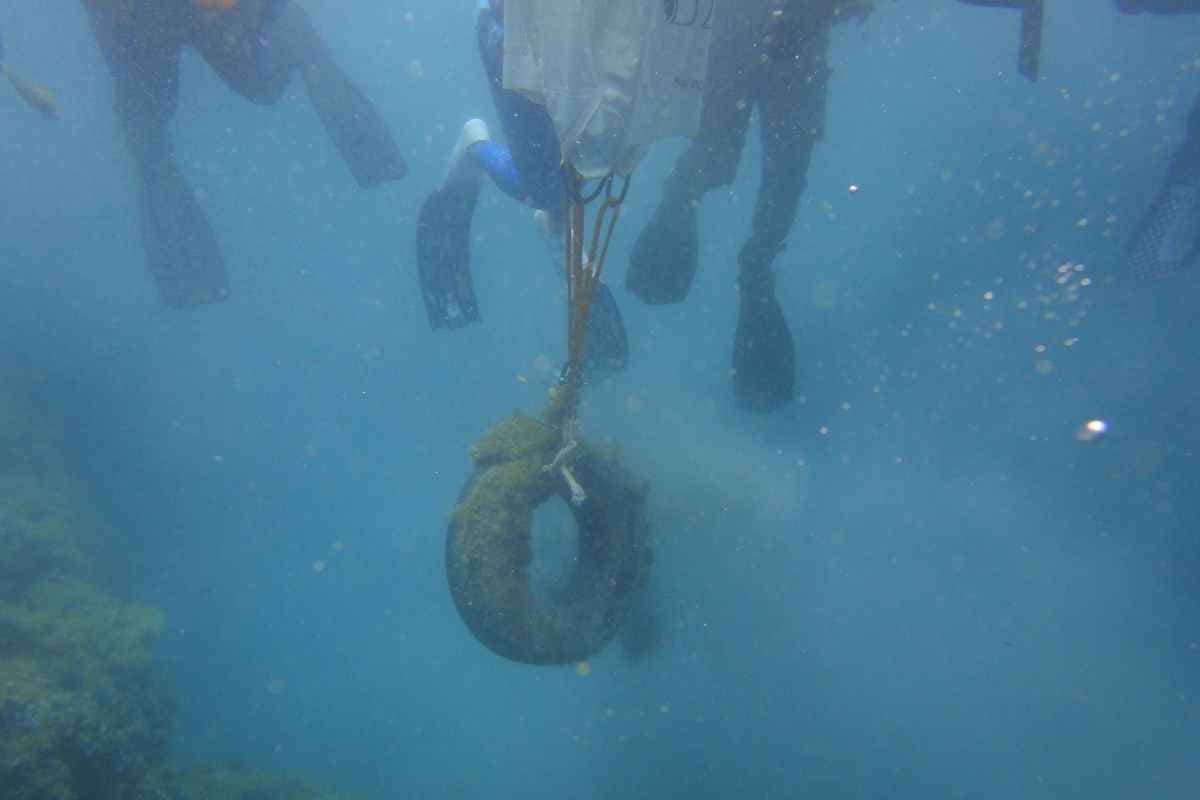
[(599, 399)]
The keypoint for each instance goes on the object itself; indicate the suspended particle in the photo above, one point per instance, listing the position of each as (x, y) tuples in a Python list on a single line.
[(1091, 430)]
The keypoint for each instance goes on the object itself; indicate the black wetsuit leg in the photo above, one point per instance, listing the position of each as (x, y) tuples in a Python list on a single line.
[(792, 121), (143, 59), (664, 258), (734, 88)]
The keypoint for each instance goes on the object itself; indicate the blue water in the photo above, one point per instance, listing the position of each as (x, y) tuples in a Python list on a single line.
[(914, 582)]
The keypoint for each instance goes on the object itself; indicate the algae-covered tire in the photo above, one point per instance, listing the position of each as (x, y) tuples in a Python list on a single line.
[(489, 547)]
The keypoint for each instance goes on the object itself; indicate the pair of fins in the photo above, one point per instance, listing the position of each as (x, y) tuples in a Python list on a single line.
[(448, 292), (661, 269), (181, 247)]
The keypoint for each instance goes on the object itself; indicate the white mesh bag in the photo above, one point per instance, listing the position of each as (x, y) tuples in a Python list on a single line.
[(615, 75)]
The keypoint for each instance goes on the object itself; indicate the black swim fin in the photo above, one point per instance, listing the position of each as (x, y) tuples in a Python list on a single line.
[(444, 254), (606, 346), (352, 123), (1029, 51), (663, 262), (1029, 47), (764, 356), (180, 245)]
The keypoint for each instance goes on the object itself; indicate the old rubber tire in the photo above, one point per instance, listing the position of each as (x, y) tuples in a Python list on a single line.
[(489, 547)]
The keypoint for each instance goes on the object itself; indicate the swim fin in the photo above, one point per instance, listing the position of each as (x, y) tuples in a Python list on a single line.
[(764, 356), (1167, 238), (444, 254), (1029, 51), (1029, 47), (663, 263), (606, 346), (352, 123), (180, 245)]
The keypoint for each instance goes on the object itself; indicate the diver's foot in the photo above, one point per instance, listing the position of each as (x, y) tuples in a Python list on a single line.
[(663, 262), (607, 345), (463, 168), (764, 356)]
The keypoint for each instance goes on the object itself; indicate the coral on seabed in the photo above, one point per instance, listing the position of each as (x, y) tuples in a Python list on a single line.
[(84, 714), (229, 783)]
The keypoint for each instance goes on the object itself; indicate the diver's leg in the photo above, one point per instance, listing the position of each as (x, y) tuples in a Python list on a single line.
[(180, 246), (256, 56), (496, 161), (529, 170), (528, 130), (664, 258), (1167, 237), (241, 45), (792, 122)]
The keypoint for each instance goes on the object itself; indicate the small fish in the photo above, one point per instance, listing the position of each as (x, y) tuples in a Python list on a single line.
[(36, 97)]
